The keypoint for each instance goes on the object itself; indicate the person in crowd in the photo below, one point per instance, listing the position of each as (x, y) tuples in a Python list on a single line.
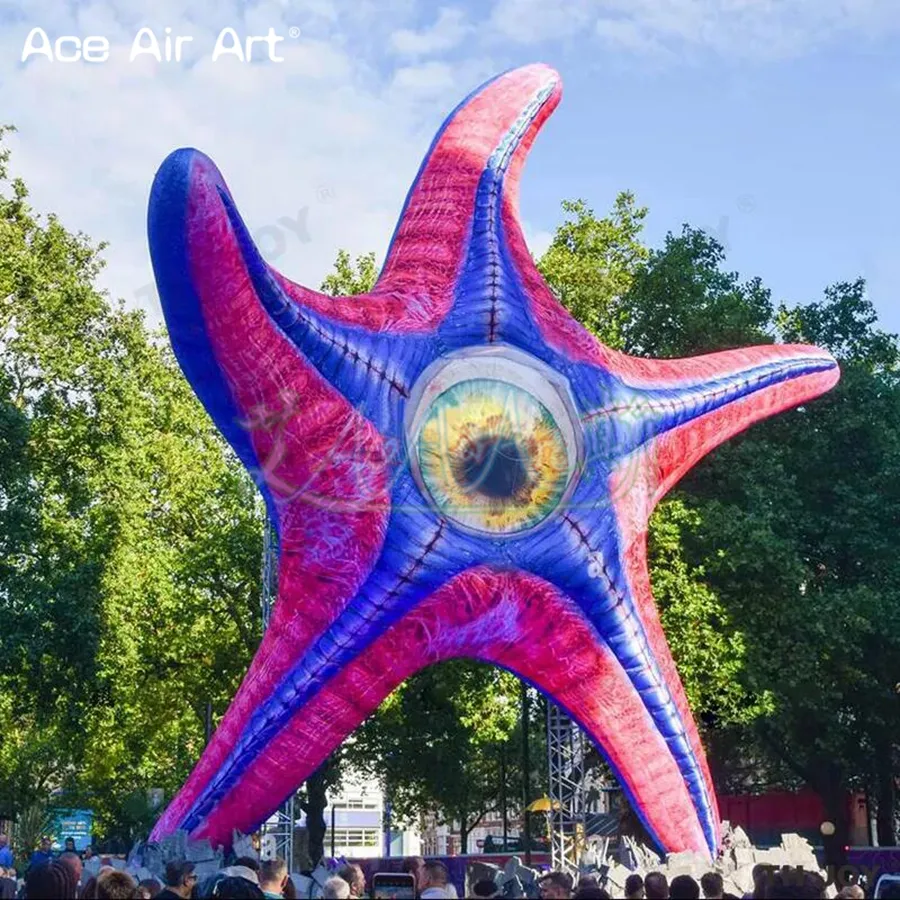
[(273, 875), (485, 888), (414, 866), (49, 879), (713, 886), (236, 887), (248, 862), (634, 887), (69, 845), (88, 853), (289, 892), (238, 870), (149, 888), (851, 892), (336, 888), (656, 886), (590, 890), (355, 877), (89, 889), (796, 885), (115, 885), (180, 881), (6, 855), (436, 882), (43, 854), (683, 887), (8, 888), (555, 886), (760, 882), (71, 859)]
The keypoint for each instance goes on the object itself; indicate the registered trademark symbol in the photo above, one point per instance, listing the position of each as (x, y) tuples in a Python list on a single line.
[(294, 31)]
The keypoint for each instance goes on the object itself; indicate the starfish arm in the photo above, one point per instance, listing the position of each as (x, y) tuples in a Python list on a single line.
[(418, 555), (276, 411), (587, 560), (647, 398), (447, 244), (373, 370), (677, 411), (507, 618)]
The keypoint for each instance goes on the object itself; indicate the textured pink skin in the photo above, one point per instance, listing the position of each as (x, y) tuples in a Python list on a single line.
[(328, 545), (415, 289), (513, 620), (331, 538), (660, 464)]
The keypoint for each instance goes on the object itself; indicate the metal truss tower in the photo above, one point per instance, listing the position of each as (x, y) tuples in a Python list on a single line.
[(279, 829), (566, 756)]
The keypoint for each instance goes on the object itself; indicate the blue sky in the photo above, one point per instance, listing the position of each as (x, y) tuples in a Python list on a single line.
[(770, 123)]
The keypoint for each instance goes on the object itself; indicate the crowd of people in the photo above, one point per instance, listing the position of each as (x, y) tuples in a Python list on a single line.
[(64, 877)]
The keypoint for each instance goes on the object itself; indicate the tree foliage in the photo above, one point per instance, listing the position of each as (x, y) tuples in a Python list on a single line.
[(130, 538)]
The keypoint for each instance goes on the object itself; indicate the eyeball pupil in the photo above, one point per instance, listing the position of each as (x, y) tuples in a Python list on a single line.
[(492, 466)]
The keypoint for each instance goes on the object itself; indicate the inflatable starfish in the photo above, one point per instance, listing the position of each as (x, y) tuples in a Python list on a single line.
[(455, 468)]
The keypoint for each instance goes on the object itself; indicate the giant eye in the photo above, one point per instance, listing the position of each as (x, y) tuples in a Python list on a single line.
[(492, 440)]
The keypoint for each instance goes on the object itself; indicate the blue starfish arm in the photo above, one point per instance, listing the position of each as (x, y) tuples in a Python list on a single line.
[(374, 371), (584, 559), (420, 554), (634, 414)]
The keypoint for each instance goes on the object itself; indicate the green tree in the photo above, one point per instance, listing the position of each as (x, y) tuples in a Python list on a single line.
[(789, 536), (591, 263), (130, 537)]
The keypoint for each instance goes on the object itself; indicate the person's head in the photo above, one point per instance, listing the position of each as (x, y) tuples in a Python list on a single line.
[(590, 891), (88, 852), (415, 865), (69, 845), (52, 879), (115, 886), (656, 886), (71, 859), (555, 886), (434, 874), (89, 889), (46, 844), (233, 887), (354, 876), (273, 874), (485, 888), (851, 892), (180, 877), (149, 888), (761, 877), (634, 888), (248, 862), (713, 886), (336, 888), (683, 887), (796, 885)]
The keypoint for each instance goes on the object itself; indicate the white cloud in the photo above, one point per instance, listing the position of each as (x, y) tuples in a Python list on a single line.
[(322, 130), (446, 33), (734, 28)]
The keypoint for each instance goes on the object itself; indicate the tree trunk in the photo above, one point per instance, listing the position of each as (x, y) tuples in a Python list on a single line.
[(463, 836), (315, 814), (834, 797), (886, 800)]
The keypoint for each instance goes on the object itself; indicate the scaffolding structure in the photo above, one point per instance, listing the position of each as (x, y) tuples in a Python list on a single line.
[(566, 757), (277, 834)]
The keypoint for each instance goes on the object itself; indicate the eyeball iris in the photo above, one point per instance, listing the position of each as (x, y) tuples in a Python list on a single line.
[(492, 456)]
